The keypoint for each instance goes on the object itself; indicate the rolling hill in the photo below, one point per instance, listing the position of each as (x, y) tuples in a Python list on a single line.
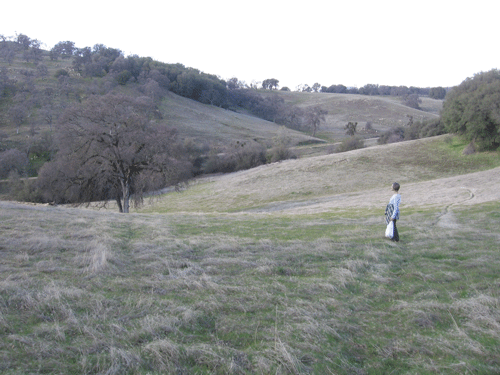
[(51, 85), (278, 269), (382, 112), (432, 170)]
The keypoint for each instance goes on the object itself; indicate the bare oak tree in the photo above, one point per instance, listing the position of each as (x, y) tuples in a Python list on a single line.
[(350, 128), (314, 116), (112, 147)]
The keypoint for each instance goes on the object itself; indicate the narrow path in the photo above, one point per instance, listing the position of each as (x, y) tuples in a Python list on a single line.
[(446, 218)]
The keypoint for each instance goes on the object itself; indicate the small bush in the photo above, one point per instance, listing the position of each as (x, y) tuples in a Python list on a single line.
[(352, 143), (61, 73), (279, 153)]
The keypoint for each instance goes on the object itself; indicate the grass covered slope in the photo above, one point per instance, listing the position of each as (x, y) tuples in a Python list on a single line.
[(383, 112), (213, 125), (357, 178), (287, 285)]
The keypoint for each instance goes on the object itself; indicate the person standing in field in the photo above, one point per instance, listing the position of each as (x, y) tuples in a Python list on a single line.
[(392, 210)]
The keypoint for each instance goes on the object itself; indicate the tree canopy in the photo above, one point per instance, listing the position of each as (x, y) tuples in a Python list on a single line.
[(472, 109), (314, 117), (110, 148), (271, 83)]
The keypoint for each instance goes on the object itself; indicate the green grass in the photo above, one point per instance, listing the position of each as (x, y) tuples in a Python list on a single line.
[(94, 292)]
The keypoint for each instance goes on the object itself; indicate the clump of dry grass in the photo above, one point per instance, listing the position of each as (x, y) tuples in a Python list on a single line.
[(97, 256)]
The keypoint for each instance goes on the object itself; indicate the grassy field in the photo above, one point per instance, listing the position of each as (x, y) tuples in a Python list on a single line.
[(299, 282)]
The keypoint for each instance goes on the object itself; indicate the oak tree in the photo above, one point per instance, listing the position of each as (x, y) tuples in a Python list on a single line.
[(112, 147), (472, 110), (350, 128), (271, 83), (314, 117)]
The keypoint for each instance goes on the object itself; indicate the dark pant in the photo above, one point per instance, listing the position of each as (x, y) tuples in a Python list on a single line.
[(396, 234)]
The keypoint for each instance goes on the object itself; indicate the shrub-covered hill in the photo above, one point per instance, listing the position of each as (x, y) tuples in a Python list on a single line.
[(212, 116), (37, 85)]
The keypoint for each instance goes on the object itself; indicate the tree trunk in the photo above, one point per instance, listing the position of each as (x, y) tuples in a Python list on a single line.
[(126, 196), (119, 202)]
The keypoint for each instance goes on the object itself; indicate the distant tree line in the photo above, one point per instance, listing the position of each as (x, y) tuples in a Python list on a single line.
[(372, 89)]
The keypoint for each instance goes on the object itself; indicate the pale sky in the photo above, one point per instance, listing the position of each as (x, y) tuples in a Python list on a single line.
[(356, 42)]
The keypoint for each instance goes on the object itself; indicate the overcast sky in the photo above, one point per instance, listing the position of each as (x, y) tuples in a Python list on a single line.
[(412, 43)]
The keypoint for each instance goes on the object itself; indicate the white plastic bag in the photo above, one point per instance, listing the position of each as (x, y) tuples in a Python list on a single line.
[(389, 231)]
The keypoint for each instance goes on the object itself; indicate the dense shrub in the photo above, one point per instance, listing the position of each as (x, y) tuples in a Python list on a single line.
[(392, 136), (13, 160), (240, 157), (472, 110), (123, 77), (416, 130), (61, 73), (24, 190)]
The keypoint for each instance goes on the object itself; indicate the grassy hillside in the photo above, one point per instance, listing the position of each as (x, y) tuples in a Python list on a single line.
[(216, 126), (41, 91), (282, 269), (202, 121), (383, 112), (326, 179)]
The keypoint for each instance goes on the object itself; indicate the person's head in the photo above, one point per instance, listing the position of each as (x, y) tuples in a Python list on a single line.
[(395, 186)]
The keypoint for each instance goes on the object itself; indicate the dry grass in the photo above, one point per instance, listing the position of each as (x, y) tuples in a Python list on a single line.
[(227, 294), (429, 170), (216, 126), (382, 112), (281, 287)]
